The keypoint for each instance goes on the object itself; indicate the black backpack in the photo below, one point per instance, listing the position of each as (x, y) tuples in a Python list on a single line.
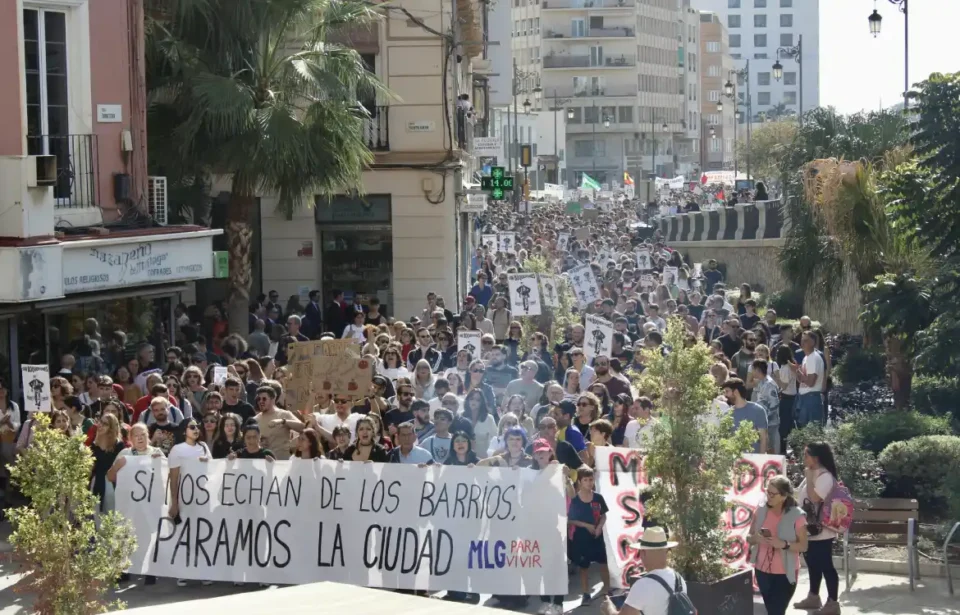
[(680, 603)]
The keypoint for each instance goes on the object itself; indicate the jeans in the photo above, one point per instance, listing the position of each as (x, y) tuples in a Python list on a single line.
[(809, 408), (773, 439), (819, 558), (776, 591), (787, 403)]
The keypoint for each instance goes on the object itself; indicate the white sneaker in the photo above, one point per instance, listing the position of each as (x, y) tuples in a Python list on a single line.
[(544, 608), (556, 609), (181, 582), (206, 583)]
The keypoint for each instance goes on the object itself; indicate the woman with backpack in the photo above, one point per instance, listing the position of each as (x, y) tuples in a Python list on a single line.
[(777, 537), (819, 479)]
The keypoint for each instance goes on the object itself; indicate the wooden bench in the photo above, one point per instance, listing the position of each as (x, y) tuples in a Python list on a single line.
[(883, 522), (951, 550)]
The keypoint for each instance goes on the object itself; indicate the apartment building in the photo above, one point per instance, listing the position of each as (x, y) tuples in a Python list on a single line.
[(688, 149), (756, 29), (719, 127), (402, 235)]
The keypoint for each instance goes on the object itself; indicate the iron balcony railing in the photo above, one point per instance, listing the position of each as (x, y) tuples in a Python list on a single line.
[(376, 128), (588, 4), (78, 167), (585, 61)]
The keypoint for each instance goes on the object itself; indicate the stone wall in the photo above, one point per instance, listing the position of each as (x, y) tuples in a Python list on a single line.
[(755, 262)]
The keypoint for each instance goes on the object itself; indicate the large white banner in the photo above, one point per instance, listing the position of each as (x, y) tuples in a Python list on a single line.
[(620, 476), (597, 336), (524, 294), (482, 530)]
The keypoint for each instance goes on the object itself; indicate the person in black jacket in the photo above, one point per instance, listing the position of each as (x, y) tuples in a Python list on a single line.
[(312, 317), (333, 315), (425, 350)]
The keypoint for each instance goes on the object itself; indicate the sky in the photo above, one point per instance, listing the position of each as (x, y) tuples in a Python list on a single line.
[(860, 72)]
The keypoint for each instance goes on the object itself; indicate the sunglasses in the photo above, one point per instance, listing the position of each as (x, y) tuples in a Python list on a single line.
[(477, 371), (341, 401), (210, 421), (193, 426), (263, 399)]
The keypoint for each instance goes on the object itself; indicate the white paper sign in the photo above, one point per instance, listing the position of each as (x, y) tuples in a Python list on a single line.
[(648, 282), (396, 526), (644, 262), (490, 241), (219, 374), (597, 337), (670, 276), (469, 341), (585, 285), (476, 202), (549, 291), (36, 387), (563, 242), (487, 146), (507, 241), (698, 270), (524, 294)]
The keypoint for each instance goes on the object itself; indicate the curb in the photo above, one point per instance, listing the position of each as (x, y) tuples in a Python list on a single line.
[(892, 567)]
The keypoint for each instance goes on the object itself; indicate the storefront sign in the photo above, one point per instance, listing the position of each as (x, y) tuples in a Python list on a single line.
[(344, 209), (487, 146), (398, 526), (421, 126), (109, 114), (112, 265), (620, 475), (476, 202), (306, 249)]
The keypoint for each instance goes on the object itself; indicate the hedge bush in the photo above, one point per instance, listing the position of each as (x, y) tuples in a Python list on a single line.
[(787, 303), (860, 365), (848, 401), (875, 432), (858, 467), (937, 396), (922, 468)]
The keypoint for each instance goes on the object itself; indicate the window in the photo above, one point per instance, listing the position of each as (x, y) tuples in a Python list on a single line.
[(733, 4), (786, 4), (578, 27), (786, 20), (713, 119), (583, 149), (600, 148), (759, 40), (536, 25), (713, 71), (713, 47), (789, 98), (733, 21), (789, 78), (763, 78), (734, 40), (45, 46), (760, 21), (786, 39), (626, 115), (714, 145), (759, 56), (714, 96), (591, 115), (763, 98), (577, 115), (759, 4), (516, 28)]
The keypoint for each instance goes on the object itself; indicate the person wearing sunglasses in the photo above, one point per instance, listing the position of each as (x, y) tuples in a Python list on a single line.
[(425, 351), (189, 446), (276, 425), (251, 445), (402, 412), (777, 537), (342, 416)]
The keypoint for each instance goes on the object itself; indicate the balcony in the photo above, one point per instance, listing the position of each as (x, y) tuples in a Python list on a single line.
[(586, 92), (586, 61), (376, 128), (575, 5), (78, 167), (622, 32)]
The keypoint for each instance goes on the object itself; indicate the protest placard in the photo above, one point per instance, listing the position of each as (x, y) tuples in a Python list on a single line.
[(524, 294), (36, 387), (220, 374), (563, 241), (507, 241), (325, 366), (490, 241), (469, 341), (584, 284), (597, 336), (644, 263), (396, 526), (549, 291), (670, 276), (621, 475)]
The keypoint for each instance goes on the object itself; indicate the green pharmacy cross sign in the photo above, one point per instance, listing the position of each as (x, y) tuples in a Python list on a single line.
[(497, 183)]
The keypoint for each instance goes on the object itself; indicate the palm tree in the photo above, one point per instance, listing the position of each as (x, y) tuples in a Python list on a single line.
[(252, 90)]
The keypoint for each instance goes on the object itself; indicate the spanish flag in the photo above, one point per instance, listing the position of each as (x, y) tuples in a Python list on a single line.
[(627, 180)]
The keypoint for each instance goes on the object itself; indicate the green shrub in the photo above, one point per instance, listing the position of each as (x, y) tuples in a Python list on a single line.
[(860, 365), (858, 467), (875, 432), (787, 303), (937, 396), (922, 468)]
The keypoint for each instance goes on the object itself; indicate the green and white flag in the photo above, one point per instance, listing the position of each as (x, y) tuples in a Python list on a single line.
[(588, 183)]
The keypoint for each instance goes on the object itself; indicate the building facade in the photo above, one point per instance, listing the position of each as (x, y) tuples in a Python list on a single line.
[(719, 125), (85, 273), (400, 235), (756, 29)]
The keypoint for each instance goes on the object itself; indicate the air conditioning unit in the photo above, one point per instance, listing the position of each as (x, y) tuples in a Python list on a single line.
[(157, 198)]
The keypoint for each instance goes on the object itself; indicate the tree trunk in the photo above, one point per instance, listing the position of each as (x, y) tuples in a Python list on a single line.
[(901, 372), (240, 245)]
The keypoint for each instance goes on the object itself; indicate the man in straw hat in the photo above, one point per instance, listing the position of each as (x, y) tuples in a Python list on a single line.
[(650, 594)]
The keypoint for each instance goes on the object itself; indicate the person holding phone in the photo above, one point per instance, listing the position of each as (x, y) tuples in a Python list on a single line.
[(189, 446), (777, 537)]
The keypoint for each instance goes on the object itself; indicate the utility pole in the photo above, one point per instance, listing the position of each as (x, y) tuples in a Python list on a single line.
[(749, 119), (556, 146), (653, 135)]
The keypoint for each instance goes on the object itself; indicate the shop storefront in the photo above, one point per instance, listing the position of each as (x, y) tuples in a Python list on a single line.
[(356, 248), (98, 299)]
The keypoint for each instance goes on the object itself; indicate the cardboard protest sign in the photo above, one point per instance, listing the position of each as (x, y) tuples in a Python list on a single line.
[(597, 337), (621, 475), (549, 291), (490, 241), (563, 241), (582, 233), (507, 241), (36, 387), (648, 282), (333, 367), (220, 374), (524, 294), (393, 526), (644, 263), (584, 284), (670, 276), (469, 341)]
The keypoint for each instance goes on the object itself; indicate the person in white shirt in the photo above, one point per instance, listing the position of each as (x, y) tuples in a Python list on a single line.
[(189, 447), (639, 432), (326, 423), (809, 402), (587, 375), (650, 594), (355, 329)]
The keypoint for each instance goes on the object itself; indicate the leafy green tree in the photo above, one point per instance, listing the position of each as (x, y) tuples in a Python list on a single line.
[(769, 144), (692, 459), (255, 91), (68, 557)]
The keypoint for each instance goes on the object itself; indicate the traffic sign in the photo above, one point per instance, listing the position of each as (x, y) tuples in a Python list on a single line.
[(497, 183)]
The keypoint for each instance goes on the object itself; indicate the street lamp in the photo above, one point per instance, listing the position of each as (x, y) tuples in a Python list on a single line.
[(570, 113), (777, 70), (526, 106), (728, 88), (665, 128), (720, 107), (606, 122), (713, 133), (730, 91), (795, 52), (875, 20)]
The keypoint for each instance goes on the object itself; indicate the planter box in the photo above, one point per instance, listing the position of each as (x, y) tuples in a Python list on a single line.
[(730, 596)]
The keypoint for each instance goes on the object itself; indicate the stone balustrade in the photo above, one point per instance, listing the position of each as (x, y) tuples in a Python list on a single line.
[(742, 222)]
